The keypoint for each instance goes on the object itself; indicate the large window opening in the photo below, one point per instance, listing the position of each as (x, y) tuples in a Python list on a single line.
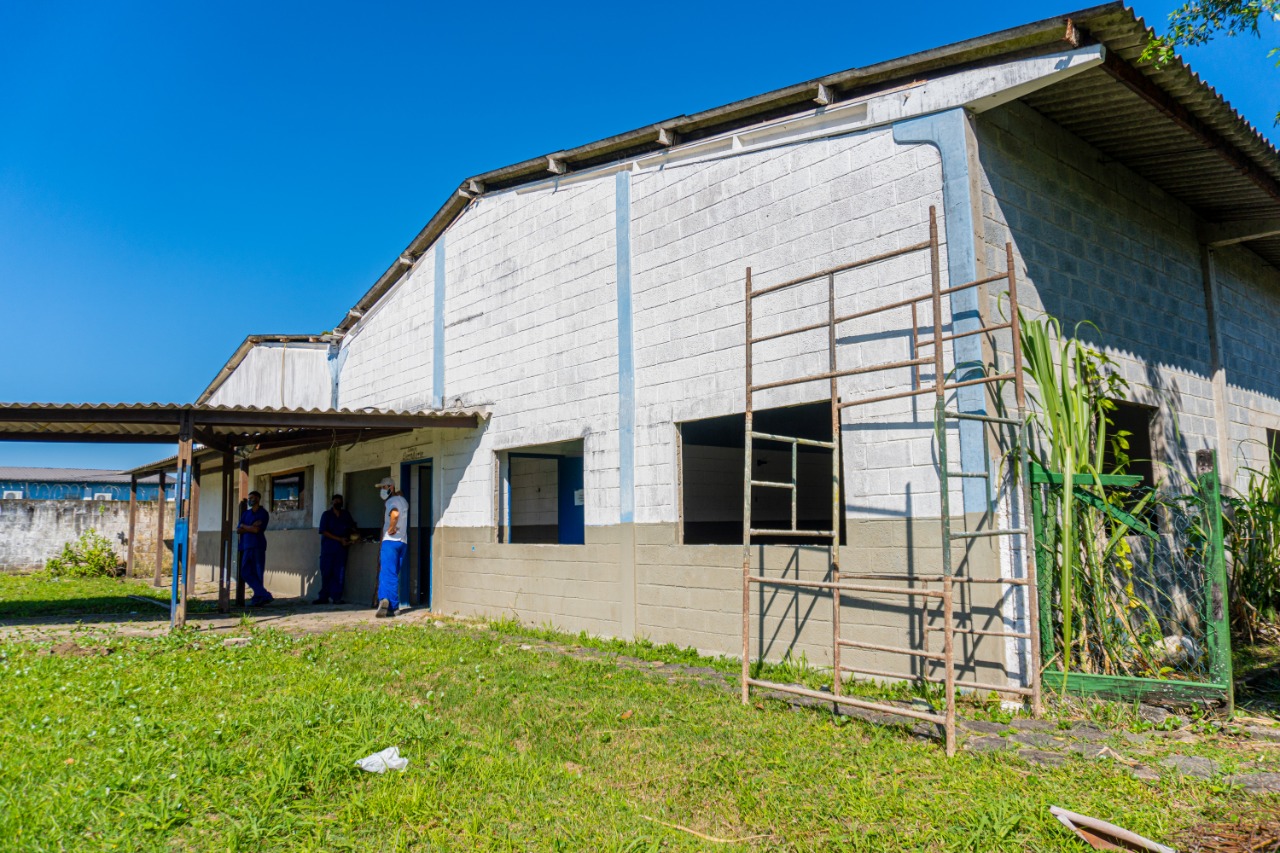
[(1129, 449), (360, 497), (542, 494), (711, 476)]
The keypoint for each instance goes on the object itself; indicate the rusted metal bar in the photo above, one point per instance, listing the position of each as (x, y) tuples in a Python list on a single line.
[(807, 442), (1024, 460), (899, 650), (746, 507), (835, 374), (770, 484), (837, 510), (774, 336), (948, 645), (225, 544), (160, 501), (914, 300), (955, 336), (915, 392), (990, 419), (831, 271), (844, 586), (888, 673), (785, 531), (846, 700)]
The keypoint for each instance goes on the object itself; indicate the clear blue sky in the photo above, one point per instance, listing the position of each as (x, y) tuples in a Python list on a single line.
[(175, 176)]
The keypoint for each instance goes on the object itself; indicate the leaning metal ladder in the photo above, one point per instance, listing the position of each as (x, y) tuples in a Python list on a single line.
[(839, 584)]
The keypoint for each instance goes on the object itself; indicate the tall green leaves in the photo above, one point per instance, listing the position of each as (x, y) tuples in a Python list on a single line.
[(1068, 413)]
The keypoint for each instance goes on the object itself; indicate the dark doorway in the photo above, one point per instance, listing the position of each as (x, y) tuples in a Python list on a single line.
[(415, 575)]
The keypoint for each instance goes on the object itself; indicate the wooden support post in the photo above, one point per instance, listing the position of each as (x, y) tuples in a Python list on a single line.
[(242, 495), (160, 530), (193, 528), (225, 541), (133, 524)]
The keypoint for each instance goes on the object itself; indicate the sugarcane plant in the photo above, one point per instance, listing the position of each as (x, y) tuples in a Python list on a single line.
[(1253, 545), (1105, 620)]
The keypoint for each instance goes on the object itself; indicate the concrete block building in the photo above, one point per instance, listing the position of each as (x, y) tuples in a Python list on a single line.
[(589, 303)]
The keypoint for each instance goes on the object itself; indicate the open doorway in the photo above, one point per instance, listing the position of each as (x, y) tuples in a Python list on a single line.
[(417, 486)]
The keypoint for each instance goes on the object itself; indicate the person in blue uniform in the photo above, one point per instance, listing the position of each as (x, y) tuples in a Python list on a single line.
[(336, 527), (395, 541), (253, 549)]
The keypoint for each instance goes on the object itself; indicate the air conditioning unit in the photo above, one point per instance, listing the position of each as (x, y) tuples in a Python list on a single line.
[(11, 495), (103, 496)]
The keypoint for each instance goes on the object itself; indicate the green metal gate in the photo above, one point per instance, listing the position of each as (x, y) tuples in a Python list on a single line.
[(1147, 598)]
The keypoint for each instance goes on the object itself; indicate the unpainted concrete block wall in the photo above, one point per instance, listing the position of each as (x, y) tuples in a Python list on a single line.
[(1249, 293), (33, 531), (1110, 255)]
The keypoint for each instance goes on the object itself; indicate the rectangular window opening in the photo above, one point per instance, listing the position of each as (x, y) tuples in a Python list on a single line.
[(1129, 446), (1273, 451), (542, 494), (360, 497), (712, 454), (288, 491)]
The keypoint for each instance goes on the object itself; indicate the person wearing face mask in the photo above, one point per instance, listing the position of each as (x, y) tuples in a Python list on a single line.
[(336, 527), (253, 549), (395, 542)]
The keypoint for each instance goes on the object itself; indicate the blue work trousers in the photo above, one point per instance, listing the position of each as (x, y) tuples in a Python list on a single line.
[(253, 567), (333, 571), (390, 559)]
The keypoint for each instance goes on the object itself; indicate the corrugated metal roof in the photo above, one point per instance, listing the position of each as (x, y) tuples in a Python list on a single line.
[(63, 475), (1113, 24), (1170, 127), (232, 425)]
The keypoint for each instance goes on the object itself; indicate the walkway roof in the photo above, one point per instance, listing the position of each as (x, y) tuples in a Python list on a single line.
[(216, 427)]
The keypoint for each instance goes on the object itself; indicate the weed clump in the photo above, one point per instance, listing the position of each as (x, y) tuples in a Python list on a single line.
[(90, 556)]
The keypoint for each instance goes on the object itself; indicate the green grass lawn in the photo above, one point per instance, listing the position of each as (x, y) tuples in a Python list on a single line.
[(180, 743), (41, 595)]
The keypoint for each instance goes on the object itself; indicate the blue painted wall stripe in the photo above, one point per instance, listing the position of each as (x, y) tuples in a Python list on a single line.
[(946, 132), (626, 361), (437, 329)]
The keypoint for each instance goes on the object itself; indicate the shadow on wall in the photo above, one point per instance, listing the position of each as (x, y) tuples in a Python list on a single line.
[(1109, 255)]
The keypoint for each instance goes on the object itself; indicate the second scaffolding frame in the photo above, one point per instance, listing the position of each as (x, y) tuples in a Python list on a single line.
[(917, 587)]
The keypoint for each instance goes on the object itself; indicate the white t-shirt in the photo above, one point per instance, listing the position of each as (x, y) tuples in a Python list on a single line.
[(402, 523)]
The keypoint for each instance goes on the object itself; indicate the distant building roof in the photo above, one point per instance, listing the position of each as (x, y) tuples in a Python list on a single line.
[(67, 475)]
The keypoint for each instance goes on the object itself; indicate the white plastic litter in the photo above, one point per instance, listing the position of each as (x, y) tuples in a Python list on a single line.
[(381, 762)]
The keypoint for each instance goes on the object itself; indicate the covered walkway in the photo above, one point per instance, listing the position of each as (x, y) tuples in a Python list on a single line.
[(204, 432)]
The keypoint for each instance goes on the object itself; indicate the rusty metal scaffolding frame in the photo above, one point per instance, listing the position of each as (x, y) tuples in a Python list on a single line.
[(939, 588)]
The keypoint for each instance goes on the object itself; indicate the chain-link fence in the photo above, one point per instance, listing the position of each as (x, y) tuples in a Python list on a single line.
[(1132, 586)]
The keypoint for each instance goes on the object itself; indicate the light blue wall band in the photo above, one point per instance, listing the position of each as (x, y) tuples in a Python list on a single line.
[(626, 360), (437, 329), (946, 131), (337, 358)]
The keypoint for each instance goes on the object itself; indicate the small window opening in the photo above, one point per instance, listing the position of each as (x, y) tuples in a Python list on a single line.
[(1273, 451), (543, 495), (711, 462), (287, 491), (1128, 448)]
